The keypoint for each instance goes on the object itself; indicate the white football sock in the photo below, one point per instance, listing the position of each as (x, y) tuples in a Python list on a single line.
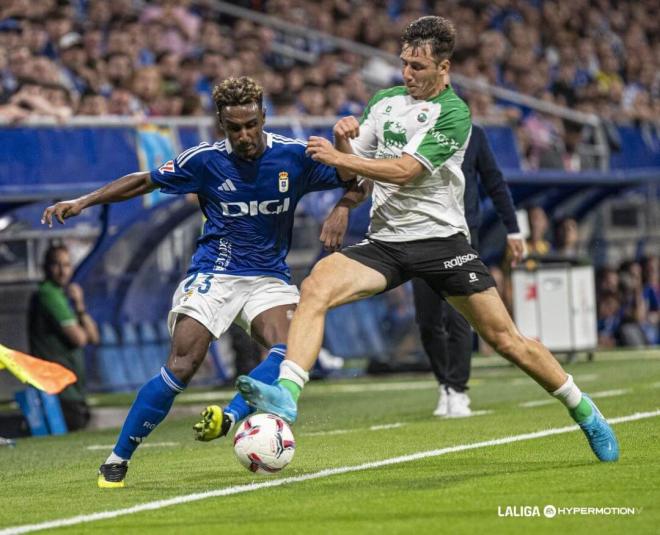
[(115, 459), (568, 393), (290, 371)]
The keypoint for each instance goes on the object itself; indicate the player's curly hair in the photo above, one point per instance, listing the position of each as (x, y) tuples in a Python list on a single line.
[(236, 92), (431, 30)]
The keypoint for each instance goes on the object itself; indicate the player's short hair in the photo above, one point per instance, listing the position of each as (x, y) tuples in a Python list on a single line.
[(435, 31), (237, 92)]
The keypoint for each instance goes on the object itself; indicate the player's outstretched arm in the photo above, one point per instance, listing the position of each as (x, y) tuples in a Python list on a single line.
[(122, 189), (399, 171), (335, 225)]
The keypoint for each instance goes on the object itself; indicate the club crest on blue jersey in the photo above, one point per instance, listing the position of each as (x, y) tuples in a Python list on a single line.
[(283, 181)]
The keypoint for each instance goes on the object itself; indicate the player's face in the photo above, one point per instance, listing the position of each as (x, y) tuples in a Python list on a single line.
[(60, 269), (244, 128), (423, 74)]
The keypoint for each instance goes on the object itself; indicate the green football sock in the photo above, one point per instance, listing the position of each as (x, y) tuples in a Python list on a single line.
[(291, 387), (582, 411)]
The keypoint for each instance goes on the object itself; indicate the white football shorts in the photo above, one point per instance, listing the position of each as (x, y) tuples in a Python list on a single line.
[(217, 300)]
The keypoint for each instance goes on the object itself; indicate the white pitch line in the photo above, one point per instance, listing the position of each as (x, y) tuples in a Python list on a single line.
[(239, 489), (344, 431), (537, 403), (595, 395), (145, 445), (385, 426), (473, 413), (333, 432)]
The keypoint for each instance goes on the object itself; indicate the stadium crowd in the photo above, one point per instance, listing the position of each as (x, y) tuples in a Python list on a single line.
[(157, 58), (629, 304)]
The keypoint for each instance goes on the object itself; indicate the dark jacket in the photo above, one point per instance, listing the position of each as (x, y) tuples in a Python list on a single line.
[(479, 161)]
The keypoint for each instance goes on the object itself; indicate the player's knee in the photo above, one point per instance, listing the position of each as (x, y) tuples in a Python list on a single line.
[(313, 291)]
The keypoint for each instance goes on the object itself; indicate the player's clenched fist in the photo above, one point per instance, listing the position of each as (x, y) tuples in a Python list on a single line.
[(334, 228), (60, 211), (321, 150), (347, 128)]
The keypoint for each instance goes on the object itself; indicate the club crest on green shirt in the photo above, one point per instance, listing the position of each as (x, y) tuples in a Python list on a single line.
[(394, 134)]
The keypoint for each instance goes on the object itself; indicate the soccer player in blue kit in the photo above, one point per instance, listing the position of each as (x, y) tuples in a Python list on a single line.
[(248, 187)]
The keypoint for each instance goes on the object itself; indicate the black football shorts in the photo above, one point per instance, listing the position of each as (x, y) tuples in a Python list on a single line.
[(448, 265)]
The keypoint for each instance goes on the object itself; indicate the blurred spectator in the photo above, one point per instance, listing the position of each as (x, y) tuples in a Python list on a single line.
[(541, 140), (43, 99), (122, 102), (567, 238), (609, 319), (633, 305), (59, 327), (537, 244), (77, 74), (482, 105), (147, 86), (93, 104), (312, 100), (575, 158), (607, 281), (176, 23), (628, 304), (651, 296), (119, 69)]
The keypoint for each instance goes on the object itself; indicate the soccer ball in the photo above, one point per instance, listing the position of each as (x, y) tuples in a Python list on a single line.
[(264, 443)]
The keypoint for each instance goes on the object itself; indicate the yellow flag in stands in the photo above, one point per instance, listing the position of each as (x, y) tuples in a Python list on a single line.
[(42, 374)]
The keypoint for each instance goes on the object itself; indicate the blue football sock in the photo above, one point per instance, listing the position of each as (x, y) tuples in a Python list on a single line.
[(267, 372), (150, 407)]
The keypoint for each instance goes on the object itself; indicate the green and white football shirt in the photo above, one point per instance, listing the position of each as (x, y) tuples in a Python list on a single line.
[(436, 133)]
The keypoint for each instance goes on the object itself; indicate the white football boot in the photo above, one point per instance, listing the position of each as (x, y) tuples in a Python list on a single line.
[(441, 409), (458, 404)]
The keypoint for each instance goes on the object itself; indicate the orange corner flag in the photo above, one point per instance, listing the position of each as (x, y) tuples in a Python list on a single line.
[(42, 374)]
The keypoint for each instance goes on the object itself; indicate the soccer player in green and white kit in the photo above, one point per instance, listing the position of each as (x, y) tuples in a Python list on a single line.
[(411, 143)]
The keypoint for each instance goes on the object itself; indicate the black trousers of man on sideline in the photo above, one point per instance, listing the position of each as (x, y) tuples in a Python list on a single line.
[(446, 335)]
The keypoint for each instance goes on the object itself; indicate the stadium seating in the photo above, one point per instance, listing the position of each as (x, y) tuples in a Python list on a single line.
[(111, 369)]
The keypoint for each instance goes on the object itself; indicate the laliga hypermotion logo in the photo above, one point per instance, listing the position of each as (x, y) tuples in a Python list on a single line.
[(283, 181)]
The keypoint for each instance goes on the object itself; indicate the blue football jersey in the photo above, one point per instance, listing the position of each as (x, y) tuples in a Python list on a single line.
[(249, 205)]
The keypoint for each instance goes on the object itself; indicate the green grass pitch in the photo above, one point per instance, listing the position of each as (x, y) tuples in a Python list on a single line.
[(352, 422)]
